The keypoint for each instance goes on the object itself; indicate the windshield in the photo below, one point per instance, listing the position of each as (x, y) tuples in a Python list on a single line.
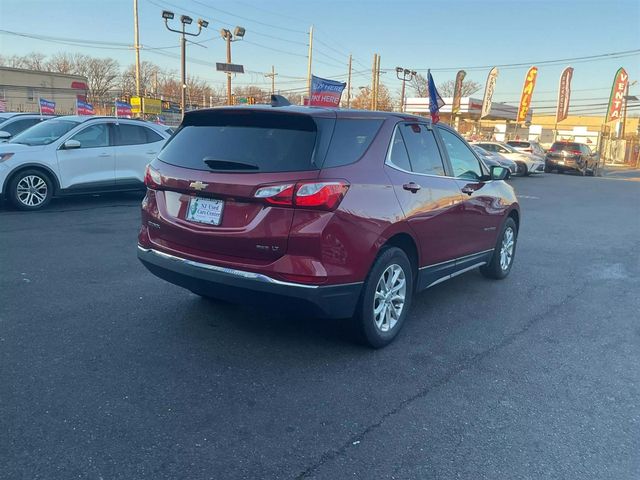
[(45, 132)]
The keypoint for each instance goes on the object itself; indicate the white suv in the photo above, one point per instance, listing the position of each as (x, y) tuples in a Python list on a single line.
[(527, 163), (77, 154)]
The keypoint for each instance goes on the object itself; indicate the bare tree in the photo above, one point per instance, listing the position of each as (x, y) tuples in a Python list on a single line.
[(31, 61), (61, 62), (102, 75), (150, 76), (363, 99), (445, 89)]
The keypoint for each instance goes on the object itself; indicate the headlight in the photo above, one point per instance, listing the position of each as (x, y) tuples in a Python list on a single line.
[(5, 156)]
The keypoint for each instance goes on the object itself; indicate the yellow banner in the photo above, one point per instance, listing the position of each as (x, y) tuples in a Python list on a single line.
[(152, 106), (527, 93), (136, 104)]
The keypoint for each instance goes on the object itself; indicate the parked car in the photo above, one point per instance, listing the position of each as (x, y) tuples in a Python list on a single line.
[(341, 213), (13, 123), (77, 154), (578, 157), (528, 146), (494, 158), (527, 163)]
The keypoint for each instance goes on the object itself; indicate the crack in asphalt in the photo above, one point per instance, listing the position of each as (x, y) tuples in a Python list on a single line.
[(332, 454)]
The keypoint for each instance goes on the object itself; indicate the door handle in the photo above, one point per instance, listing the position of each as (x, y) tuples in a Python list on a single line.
[(104, 155), (151, 152), (412, 187), (468, 190)]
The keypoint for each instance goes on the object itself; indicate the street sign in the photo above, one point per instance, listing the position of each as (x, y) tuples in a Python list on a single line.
[(229, 67)]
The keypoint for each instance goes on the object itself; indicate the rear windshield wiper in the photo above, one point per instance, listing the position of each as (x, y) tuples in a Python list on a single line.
[(216, 164)]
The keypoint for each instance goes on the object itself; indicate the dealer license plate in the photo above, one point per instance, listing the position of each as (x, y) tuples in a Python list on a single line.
[(205, 210)]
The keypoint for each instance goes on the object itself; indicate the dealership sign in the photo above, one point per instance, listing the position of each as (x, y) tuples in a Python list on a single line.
[(325, 93), (618, 91), (564, 94), (488, 92), (527, 93)]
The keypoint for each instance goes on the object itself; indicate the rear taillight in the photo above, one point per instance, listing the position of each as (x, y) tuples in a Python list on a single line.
[(575, 152), (551, 150), (152, 178), (276, 194), (317, 195), (530, 150)]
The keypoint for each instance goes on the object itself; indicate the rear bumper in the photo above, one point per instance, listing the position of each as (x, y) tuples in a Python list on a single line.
[(325, 301)]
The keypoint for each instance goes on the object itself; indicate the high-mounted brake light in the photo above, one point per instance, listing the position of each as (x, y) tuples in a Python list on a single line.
[(152, 178), (318, 195)]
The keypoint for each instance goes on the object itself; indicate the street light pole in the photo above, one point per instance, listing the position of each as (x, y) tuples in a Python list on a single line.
[(407, 75), (185, 20), (136, 46), (238, 34)]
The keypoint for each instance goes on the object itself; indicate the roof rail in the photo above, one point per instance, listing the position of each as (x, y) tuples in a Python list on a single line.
[(279, 101)]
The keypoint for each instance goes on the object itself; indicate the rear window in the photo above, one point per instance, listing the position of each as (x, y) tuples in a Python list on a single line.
[(518, 144), (351, 138), (565, 146), (244, 141)]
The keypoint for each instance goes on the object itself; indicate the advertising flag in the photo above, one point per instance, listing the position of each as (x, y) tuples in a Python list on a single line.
[(618, 91), (3, 105), (47, 107), (435, 100), (325, 93), (488, 92), (84, 108), (457, 92), (527, 93), (564, 94), (123, 109)]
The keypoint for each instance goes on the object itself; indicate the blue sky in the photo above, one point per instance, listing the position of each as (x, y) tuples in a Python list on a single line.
[(410, 33)]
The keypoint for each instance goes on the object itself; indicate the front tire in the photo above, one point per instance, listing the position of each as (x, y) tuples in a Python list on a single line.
[(504, 252), (385, 299), (30, 190)]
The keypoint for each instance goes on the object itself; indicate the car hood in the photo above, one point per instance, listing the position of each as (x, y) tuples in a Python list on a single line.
[(18, 147)]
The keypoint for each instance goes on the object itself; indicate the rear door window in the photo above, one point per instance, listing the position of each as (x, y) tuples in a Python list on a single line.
[(398, 156), (351, 138), (244, 141), (131, 134)]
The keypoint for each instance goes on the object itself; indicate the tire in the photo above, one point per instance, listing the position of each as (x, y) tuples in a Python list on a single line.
[(525, 171), (30, 190), (583, 170), (547, 169), (496, 269), (377, 330)]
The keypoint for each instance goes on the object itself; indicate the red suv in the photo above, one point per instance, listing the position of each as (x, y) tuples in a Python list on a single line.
[(347, 213)]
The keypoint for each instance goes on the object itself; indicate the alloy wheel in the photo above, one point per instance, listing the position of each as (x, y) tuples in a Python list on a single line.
[(506, 249), (389, 298), (31, 190)]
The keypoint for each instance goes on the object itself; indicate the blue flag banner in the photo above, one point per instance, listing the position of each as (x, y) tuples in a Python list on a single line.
[(325, 93), (47, 107), (123, 109), (435, 100), (84, 108)]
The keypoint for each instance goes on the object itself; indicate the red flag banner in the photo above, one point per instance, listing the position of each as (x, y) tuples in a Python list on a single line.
[(618, 90), (564, 94), (527, 93)]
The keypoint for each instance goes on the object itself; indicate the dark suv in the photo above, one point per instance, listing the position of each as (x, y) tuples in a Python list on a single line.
[(578, 157), (343, 212)]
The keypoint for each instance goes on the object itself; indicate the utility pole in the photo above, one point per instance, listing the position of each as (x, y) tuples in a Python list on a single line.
[(373, 81), (349, 85), (155, 82), (136, 45), (626, 101), (185, 20), (273, 79), (310, 58)]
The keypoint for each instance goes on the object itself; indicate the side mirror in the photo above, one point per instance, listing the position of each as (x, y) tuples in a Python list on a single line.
[(71, 144), (498, 172), (4, 135)]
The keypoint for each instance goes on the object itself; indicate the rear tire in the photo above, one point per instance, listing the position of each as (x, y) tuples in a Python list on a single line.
[(385, 299), (504, 252), (30, 190)]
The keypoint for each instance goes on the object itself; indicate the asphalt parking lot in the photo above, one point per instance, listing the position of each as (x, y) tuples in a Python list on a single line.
[(107, 372)]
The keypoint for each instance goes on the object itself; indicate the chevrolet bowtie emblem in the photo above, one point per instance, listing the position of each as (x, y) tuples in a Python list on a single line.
[(198, 185)]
